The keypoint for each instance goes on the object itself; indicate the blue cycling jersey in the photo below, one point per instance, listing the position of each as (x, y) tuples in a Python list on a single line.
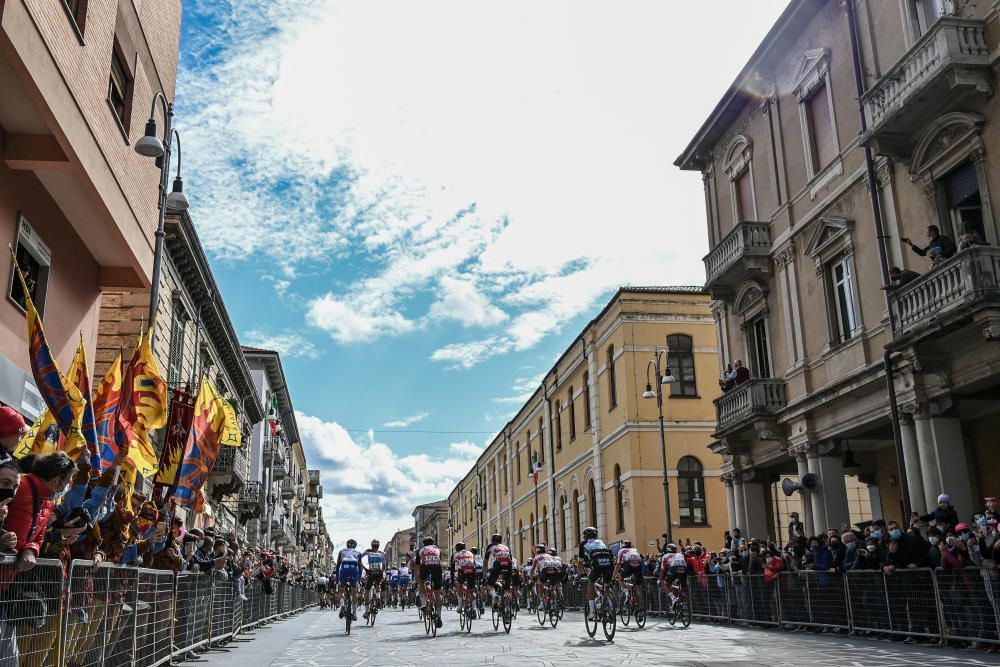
[(349, 557)]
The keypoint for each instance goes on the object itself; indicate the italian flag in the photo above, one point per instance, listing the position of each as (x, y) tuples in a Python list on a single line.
[(536, 467)]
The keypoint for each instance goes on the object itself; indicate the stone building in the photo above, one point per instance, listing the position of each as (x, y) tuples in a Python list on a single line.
[(431, 520), (76, 202), (401, 544), (597, 440), (193, 337), (794, 262)]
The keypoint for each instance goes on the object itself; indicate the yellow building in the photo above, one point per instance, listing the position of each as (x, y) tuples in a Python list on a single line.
[(597, 440)]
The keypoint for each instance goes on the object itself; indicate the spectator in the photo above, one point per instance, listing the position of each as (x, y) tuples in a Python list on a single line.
[(970, 238), (837, 553), (934, 553), (725, 383), (850, 559), (33, 504), (740, 372), (946, 247), (12, 427), (737, 540), (899, 277), (944, 517), (992, 511), (936, 256), (8, 487), (795, 527)]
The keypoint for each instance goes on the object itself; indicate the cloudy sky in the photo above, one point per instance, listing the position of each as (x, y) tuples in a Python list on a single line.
[(420, 203)]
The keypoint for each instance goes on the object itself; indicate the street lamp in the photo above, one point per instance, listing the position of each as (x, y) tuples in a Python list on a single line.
[(150, 145), (660, 380)]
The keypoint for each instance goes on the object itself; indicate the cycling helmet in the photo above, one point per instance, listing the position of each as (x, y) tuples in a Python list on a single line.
[(460, 546), (552, 552), (589, 533), (352, 543), (428, 541), (496, 538), (474, 550), (671, 548), (539, 548), (626, 544), (375, 544)]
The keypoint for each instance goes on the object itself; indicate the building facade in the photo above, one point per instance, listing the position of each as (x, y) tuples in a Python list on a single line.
[(794, 264), (596, 440), (77, 204), (193, 337), (431, 520), (401, 545)]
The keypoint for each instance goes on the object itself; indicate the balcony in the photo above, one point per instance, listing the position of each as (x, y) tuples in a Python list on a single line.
[(754, 403), (743, 252), (947, 64), (959, 292), (313, 477), (287, 489), (279, 465), (310, 527), (232, 468), (250, 503)]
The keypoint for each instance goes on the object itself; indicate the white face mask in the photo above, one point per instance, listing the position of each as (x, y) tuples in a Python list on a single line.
[(872, 548)]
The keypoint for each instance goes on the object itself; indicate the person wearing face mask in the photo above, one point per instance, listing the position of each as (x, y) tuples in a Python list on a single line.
[(934, 538), (34, 501), (9, 479), (850, 559)]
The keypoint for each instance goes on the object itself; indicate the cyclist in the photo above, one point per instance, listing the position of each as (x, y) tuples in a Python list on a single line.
[(429, 559), (516, 580), (598, 557), (673, 569), (404, 582), (478, 582), (503, 563), (322, 581), (373, 562), (548, 571), (394, 584), (531, 570), (628, 565), (348, 572), (463, 570)]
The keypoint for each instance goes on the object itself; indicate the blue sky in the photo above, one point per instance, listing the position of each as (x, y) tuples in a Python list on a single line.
[(421, 203)]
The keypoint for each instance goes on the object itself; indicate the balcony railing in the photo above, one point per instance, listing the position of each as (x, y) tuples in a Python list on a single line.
[(753, 398), (314, 476), (951, 58), (279, 465), (967, 282), (746, 248), (251, 498), (233, 463)]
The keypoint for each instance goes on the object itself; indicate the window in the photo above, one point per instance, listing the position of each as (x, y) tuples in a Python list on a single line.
[(619, 500), (558, 426), (120, 88), (34, 258), (744, 198), (520, 538), (592, 493), (586, 401), (576, 514), (680, 359), (176, 355), (543, 518), (823, 144), (691, 492), (534, 531), (503, 472), (518, 455), (928, 12), (612, 383), (572, 415), (843, 296), (76, 10), (964, 201), (760, 357)]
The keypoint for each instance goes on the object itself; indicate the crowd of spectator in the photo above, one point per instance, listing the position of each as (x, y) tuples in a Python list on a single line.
[(939, 249)]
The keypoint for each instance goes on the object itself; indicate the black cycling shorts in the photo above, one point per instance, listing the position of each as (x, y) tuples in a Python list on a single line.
[(551, 577), (468, 579), (496, 569), (432, 573), (374, 578)]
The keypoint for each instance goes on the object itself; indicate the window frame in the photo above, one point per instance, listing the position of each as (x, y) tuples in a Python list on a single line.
[(586, 401), (688, 483), (619, 499), (175, 349), (571, 407), (844, 296), (814, 74), (675, 347), (28, 242), (77, 17), (830, 243), (124, 119), (739, 165), (612, 379)]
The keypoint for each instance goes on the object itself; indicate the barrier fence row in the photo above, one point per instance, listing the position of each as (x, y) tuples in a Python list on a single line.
[(942, 604), (115, 615)]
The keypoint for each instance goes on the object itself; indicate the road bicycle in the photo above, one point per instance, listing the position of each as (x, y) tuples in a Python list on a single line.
[(373, 607), (551, 605), (503, 607), (467, 612), (604, 601), (632, 605), (348, 608), (427, 611), (678, 609)]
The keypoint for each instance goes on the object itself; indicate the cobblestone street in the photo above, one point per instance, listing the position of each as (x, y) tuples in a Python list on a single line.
[(317, 638)]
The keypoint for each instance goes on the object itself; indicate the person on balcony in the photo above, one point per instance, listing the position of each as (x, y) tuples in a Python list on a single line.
[(899, 277), (935, 239), (970, 238)]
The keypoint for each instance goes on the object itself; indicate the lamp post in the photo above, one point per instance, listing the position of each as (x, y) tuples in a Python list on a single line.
[(660, 380), (152, 146)]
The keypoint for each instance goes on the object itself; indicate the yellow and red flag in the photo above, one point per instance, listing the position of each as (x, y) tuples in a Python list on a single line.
[(107, 400), (214, 425), (175, 440)]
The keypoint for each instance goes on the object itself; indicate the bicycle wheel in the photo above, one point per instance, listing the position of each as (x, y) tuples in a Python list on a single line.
[(609, 617), (685, 614), (541, 612), (672, 614), (554, 614), (433, 617), (640, 611), (590, 625), (625, 609), (470, 613), (428, 621), (495, 608), (508, 615), (348, 612)]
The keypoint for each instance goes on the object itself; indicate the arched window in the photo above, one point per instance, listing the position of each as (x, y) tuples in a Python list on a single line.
[(586, 401), (592, 493), (576, 515), (681, 363), (518, 456), (612, 382), (691, 492), (561, 522), (520, 539), (558, 426), (572, 415), (618, 498), (544, 519)]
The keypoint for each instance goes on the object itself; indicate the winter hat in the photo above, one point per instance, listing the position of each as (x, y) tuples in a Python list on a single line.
[(944, 498), (11, 423)]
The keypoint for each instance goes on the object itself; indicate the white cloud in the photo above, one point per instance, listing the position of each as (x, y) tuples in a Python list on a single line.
[(288, 343), (369, 490), (524, 389), (467, 355), (461, 300), (536, 165), (406, 421)]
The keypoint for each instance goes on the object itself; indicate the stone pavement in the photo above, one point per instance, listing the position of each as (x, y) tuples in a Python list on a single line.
[(317, 638)]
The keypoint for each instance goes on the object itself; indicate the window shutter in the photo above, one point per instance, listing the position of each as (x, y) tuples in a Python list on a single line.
[(961, 184), (744, 194), (824, 144)]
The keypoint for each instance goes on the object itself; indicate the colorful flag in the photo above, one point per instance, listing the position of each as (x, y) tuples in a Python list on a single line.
[(42, 438), (536, 467), (174, 441), (146, 390), (61, 396), (79, 375), (107, 400), (213, 425)]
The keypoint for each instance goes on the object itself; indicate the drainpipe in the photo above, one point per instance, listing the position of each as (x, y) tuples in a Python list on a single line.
[(880, 238)]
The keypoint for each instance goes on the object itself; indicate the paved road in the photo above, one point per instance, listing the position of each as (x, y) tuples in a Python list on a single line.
[(317, 638)]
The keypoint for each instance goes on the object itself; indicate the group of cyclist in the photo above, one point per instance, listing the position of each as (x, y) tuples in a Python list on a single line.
[(367, 572)]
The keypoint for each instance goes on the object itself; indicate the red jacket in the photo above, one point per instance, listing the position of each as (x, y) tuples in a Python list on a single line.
[(22, 509)]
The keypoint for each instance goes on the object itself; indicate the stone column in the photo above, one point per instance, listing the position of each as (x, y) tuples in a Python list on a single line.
[(926, 450), (596, 457), (911, 459), (727, 481), (953, 468), (755, 506), (738, 504), (834, 492), (804, 500), (815, 498)]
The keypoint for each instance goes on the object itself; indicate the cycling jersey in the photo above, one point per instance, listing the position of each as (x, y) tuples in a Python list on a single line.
[(673, 567), (376, 560), (404, 576), (630, 556), (429, 558), (464, 562), (348, 566), (598, 556), (499, 553), (479, 563)]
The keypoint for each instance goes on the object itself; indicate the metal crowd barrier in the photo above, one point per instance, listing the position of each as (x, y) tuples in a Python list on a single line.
[(112, 615)]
